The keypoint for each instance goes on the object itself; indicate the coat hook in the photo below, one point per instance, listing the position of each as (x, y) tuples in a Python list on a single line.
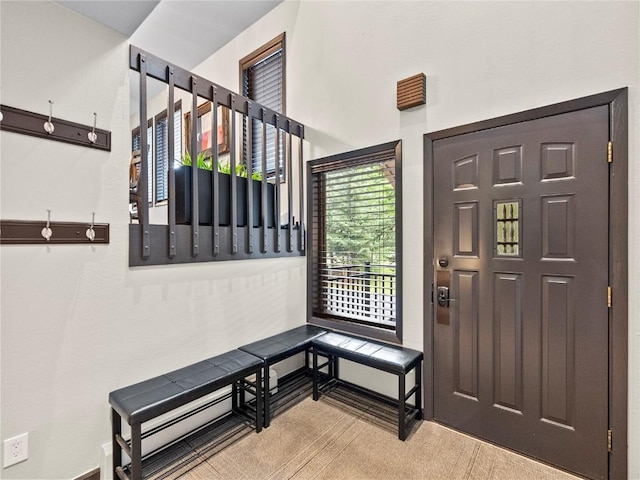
[(92, 134), (91, 233), (46, 231), (48, 126)]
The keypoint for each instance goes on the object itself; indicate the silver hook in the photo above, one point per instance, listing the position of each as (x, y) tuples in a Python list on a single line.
[(48, 126), (92, 134), (46, 231), (91, 233)]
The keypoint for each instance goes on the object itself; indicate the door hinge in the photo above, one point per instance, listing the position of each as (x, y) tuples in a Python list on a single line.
[(610, 152), (609, 295), (609, 441)]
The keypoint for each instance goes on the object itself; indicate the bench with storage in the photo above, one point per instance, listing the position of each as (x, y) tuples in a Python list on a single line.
[(147, 400), (277, 348), (389, 358), (245, 370)]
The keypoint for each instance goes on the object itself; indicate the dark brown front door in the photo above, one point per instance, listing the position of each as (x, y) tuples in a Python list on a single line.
[(521, 261)]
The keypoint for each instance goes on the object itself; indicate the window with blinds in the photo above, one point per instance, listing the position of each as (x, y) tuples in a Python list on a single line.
[(355, 214), (262, 76), (135, 145), (161, 178)]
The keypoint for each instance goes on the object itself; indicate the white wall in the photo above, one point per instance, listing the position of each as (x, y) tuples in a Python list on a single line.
[(77, 322), (482, 60)]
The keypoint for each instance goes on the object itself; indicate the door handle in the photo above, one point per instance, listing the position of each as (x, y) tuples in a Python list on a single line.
[(443, 296)]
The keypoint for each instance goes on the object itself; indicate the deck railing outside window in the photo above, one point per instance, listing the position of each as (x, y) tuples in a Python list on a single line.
[(361, 292)]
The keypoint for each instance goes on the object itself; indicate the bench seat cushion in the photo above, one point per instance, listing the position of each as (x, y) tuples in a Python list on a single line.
[(390, 358), (283, 345), (146, 400)]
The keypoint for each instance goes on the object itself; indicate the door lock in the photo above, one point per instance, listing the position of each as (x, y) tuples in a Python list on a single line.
[(443, 296)]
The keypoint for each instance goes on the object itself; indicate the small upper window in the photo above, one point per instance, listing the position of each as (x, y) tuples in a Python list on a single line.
[(262, 78)]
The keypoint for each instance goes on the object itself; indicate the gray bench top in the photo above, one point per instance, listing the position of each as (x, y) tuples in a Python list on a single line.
[(283, 345), (156, 396), (390, 358)]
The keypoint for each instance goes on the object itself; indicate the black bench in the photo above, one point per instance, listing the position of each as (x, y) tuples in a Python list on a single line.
[(389, 358), (147, 400), (278, 347)]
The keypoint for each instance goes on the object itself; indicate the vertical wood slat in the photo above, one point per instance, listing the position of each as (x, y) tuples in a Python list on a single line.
[(301, 231), (143, 180), (249, 165), (232, 190), (215, 175), (290, 189), (263, 185), (276, 199), (195, 208), (170, 159)]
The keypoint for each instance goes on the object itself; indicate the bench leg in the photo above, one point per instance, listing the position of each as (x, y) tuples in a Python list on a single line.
[(267, 397), (234, 397), (402, 434), (116, 451), (419, 391), (260, 396), (316, 394), (136, 452)]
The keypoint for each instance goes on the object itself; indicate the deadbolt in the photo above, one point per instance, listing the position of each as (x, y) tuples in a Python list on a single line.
[(443, 262)]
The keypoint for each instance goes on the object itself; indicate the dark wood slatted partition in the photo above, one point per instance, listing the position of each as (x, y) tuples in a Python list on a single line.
[(195, 240)]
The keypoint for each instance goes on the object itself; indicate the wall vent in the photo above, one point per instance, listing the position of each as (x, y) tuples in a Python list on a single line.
[(412, 91)]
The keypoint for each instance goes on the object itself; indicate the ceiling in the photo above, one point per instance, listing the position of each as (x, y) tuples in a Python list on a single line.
[(183, 32)]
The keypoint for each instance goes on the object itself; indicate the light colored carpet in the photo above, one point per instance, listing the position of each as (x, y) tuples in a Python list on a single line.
[(330, 440)]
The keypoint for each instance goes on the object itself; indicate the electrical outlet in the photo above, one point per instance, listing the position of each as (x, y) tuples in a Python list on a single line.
[(16, 449)]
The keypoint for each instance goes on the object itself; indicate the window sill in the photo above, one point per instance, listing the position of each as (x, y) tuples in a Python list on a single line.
[(391, 336)]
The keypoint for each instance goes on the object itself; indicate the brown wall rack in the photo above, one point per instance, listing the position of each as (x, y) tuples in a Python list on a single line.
[(29, 232), (30, 123)]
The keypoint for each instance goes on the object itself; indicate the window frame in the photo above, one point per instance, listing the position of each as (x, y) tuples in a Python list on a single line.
[(274, 45), (343, 160)]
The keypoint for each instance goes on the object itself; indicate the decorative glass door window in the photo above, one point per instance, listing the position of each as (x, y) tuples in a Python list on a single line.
[(507, 216)]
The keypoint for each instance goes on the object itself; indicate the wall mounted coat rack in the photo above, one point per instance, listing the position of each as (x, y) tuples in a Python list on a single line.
[(45, 126), (36, 232)]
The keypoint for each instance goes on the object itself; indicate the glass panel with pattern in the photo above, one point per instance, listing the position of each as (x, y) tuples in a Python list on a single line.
[(507, 215)]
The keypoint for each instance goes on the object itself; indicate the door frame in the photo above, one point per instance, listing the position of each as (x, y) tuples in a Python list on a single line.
[(617, 101)]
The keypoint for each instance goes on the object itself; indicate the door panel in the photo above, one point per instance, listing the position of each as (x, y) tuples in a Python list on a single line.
[(521, 226)]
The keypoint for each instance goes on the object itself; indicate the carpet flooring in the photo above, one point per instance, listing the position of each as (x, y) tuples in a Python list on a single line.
[(338, 439)]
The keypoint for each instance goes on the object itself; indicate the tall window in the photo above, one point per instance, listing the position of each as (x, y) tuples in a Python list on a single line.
[(355, 258), (262, 78), (161, 178)]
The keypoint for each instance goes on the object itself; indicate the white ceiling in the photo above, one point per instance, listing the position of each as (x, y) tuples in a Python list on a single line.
[(186, 32), (183, 32)]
